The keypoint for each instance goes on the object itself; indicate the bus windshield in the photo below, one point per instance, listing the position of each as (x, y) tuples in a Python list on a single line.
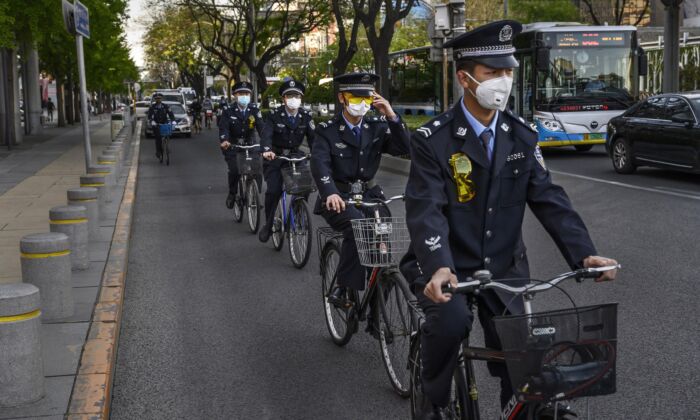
[(586, 78)]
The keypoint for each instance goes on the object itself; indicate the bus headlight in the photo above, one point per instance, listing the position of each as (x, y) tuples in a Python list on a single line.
[(551, 125)]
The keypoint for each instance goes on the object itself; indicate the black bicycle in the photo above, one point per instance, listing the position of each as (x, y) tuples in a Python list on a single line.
[(249, 162), (166, 131), (552, 357), (388, 303)]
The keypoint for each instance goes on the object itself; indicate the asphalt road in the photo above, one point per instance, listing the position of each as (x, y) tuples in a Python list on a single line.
[(219, 326)]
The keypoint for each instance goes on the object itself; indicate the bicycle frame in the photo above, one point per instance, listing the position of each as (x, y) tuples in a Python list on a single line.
[(287, 213)]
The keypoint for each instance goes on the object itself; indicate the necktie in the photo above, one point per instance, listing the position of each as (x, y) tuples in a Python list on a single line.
[(486, 137), (358, 134), (292, 121)]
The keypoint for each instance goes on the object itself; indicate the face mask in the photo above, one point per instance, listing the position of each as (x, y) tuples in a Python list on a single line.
[(293, 103), (244, 100), (358, 110), (493, 93)]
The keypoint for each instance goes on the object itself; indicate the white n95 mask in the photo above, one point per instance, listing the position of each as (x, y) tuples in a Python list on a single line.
[(358, 110), (293, 103), (493, 93)]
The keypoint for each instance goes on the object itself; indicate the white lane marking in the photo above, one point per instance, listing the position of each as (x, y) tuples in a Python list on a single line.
[(630, 186)]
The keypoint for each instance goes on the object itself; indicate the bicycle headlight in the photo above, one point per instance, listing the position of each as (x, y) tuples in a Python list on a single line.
[(549, 124)]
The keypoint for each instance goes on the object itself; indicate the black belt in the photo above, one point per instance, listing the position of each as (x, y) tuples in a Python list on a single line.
[(346, 187)]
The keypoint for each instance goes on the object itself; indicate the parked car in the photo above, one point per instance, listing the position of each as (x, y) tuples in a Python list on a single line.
[(171, 95), (661, 131), (141, 109), (183, 126)]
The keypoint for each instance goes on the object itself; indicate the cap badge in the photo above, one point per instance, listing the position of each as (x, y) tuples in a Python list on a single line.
[(291, 84), (365, 78), (506, 33)]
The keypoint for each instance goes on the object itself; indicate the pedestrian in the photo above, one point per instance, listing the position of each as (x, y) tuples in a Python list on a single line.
[(285, 130), (50, 108), (238, 125), (159, 113), (473, 170), (346, 156)]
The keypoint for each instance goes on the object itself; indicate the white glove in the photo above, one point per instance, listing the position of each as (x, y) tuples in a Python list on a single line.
[(153, 124)]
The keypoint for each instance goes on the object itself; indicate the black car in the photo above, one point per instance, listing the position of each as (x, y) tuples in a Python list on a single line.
[(660, 131)]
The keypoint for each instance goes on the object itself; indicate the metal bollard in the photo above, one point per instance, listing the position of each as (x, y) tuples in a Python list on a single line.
[(109, 179), (116, 153), (116, 147), (110, 159), (72, 220), (46, 264), (21, 365), (97, 181), (88, 197)]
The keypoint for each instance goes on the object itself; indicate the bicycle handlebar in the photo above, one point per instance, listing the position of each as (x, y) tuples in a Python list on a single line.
[(241, 146), (288, 159), (485, 282), (375, 203)]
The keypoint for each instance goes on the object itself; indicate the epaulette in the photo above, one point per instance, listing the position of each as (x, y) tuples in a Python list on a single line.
[(434, 125), (530, 126), (375, 119), (326, 124)]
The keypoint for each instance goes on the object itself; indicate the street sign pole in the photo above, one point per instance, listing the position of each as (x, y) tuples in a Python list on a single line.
[(83, 101)]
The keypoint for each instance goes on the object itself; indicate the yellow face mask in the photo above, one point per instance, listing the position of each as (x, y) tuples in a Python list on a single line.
[(461, 169), (356, 100)]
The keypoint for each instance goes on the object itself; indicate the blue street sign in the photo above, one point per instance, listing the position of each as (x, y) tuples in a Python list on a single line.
[(82, 19)]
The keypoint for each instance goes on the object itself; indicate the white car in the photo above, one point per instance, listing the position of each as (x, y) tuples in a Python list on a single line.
[(141, 109), (183, 126)]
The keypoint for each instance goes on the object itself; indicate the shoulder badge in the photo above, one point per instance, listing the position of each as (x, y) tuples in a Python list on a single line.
[(311, 124), (539, 157), (323, 124), (435, 125)]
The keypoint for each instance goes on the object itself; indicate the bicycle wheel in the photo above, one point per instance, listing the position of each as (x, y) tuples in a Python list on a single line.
[(300, 234), (166, 150), (162, 148), (239, 202), (278, 227), (397, 320), (253, 206), (340, 321)]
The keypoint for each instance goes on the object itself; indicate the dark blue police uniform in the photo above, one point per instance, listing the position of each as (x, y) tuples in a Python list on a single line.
[(237, 126), (282, 134), (159, 113), (484, 231), (341, 158)]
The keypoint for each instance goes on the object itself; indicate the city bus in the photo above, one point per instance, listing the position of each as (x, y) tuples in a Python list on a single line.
[(574, 78)]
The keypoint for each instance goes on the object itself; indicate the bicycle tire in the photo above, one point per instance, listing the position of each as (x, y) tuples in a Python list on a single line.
[(166, 150), (340, 321), (397, 321), (300, 234), (278, 227), (253, 206), (239, 202)]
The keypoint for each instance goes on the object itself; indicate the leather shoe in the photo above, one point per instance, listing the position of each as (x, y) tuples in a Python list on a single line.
[(338, 298), (230, 200), (264, 234), (429, 411)]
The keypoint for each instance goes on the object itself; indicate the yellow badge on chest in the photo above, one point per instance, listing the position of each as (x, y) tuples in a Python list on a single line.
[(251, 121), (461, 169)]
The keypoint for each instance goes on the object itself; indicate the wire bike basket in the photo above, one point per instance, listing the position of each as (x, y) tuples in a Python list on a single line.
[(297, 178), (381, 242), (248, 163), (562, 354), (165, 129)]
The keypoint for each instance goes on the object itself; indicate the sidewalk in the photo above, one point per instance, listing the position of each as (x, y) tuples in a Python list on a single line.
[(34, 178)]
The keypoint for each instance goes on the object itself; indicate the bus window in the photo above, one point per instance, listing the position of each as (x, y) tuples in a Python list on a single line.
[(526, 68)]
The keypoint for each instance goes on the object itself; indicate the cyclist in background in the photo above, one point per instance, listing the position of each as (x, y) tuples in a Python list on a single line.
[(159, 113), (473, 169), (196, 108)]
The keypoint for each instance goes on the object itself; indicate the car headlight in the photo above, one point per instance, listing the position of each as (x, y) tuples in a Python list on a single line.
[(551, 125), (183, 121)]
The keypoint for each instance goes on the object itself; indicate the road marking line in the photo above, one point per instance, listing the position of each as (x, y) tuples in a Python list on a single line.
[(630, 186)]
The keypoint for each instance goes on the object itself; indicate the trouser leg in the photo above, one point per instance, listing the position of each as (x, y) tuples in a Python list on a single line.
[(273, 179), (350, 272), (158, 140), (233, 175)]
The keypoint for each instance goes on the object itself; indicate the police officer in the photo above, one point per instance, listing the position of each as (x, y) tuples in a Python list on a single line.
[(284, 131), (159, 113), (473, 169), (237, 126), (346, 156)]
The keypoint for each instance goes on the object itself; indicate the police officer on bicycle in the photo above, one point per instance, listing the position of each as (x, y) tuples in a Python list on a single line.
[(346, 156), (196, 108), (473, 169), (237, 126), (159, 113), (284, 132)]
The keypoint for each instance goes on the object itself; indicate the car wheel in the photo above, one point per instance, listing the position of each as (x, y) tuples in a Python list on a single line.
[(622, 156), (583, 147)]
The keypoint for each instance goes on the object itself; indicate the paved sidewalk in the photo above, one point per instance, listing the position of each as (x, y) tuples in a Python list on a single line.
[(34, 178)]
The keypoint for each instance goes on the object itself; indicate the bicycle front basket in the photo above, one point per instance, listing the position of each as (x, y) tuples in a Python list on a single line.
[(250, 164), (297, 179), (382, 242), (166, 129), (561, 354)]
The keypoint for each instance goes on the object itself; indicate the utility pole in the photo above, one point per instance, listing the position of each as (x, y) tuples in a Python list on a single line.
[(671, 46), (253, 53)]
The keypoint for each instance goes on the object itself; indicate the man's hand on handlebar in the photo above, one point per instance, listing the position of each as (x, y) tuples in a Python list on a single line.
[(596, 261), (433, 290), (269, 155), (335, 202), (225, 144)]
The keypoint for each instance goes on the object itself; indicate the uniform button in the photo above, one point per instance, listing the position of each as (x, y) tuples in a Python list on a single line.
[(488, 233), (515, 171), (487, 261), (362, 169), (360, 153), (490, 210)]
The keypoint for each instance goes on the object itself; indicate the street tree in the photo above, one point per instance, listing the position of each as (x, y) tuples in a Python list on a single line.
[(614, 12)]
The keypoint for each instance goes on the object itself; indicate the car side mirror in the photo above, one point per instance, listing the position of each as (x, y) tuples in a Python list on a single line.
[(542, 59)]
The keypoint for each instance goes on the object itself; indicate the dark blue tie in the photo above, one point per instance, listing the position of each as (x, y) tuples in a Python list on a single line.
[(292, 121), (358, 134)]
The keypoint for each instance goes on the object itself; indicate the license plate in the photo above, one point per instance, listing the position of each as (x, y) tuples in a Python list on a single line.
[(594, 136)]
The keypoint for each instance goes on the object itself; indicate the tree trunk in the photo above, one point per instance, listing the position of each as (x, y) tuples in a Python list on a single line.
[(261, 78), (68, 91), (381, 66), (60, 103)]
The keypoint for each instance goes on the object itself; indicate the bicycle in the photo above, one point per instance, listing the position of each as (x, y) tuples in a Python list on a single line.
[(294, 220), (551, 356), (166, 131), (196, 122), (247, 192), (381, 242), (208, 116)]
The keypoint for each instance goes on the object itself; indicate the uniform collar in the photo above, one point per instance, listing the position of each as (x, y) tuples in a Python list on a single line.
[(475, 124), (349, 124)]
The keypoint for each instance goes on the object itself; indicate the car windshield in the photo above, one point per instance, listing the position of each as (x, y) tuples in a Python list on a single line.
[(177, 109), (190, 95)]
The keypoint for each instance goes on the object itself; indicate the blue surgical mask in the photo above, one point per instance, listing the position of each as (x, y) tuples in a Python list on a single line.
[(244, 100)]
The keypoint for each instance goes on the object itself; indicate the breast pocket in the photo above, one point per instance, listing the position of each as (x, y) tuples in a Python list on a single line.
[(514, 181)]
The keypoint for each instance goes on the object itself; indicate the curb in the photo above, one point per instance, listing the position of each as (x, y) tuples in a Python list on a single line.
[(92, 389)]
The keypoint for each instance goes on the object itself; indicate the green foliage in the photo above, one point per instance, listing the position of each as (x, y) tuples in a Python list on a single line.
[(528, 11), (411, 33)]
